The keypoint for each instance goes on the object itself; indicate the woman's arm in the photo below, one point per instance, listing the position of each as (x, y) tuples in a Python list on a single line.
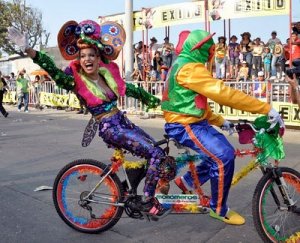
[(142, 95), (62, 80)]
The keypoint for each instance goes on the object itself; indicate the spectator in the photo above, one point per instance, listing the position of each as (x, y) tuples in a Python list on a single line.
[(243, 72), (12, 81), (260, 86), (152, 74), (167, 52), (271, 44), (246, 49), (296, 29), (157, 63), (136, 75), (22, 90), (153, 47), (295, 51), (257, 56), (3, 86), (220, 57), (37, 86), (267, 58), (233, 53)]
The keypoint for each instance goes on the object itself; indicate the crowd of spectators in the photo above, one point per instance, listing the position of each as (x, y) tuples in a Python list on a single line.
[(240, 59)]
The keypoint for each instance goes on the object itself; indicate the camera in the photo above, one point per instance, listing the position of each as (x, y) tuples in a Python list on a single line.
[(294, 70)]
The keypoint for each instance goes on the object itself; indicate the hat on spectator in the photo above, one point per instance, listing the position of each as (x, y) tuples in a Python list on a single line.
[(233, 37), (244, 62), (153, 39), (246, 33), (260, 73), (221, 37)]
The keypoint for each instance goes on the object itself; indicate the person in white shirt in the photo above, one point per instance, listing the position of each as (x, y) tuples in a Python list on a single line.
[(271, 44), (153, 47)]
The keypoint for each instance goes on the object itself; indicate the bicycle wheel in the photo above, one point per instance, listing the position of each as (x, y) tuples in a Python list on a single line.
[(71, 187), (273, 223)]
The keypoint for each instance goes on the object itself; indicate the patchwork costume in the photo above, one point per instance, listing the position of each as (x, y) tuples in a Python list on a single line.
[(114, 127), (189, 117)]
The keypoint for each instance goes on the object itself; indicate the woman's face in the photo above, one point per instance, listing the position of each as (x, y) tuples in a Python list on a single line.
[(89, 61)]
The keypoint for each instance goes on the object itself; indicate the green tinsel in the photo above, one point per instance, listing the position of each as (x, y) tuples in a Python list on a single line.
[(184, 159), (62, 80), (91, 41), (270, 143), (139, 93)]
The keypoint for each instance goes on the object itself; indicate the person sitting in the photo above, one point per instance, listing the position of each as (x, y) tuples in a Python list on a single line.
[(243, 72), (189, 119), (96, 80), (260, 86)]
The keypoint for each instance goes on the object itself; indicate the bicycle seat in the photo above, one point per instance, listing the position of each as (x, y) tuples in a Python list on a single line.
[(167, 139)]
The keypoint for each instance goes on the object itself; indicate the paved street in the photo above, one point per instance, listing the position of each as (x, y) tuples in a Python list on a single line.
[(35, 146)]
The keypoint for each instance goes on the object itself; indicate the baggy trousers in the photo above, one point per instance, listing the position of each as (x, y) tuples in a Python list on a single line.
[(218, 159)]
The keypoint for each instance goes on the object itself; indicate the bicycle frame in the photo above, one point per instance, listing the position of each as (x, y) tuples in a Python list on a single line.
[(118, 160)]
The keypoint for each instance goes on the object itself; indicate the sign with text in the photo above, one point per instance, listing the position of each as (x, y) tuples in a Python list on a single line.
[(289, 112), (194, 12), (168, 15), (230, 9)]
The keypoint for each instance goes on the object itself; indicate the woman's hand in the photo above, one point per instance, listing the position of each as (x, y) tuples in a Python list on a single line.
[(18, 38)]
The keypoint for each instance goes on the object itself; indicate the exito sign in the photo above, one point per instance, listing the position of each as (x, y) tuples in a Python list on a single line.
[(229, 9)]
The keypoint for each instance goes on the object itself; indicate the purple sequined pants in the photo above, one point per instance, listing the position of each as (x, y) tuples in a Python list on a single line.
[(117, 131)]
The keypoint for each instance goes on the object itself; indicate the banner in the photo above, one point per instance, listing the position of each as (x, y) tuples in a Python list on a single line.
[(10, 97), (289, 112), (50, 99), (194, 12), (231, 9), (168, 15)]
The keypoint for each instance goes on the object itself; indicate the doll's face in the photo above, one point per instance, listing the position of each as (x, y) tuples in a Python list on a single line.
[(89, 61)]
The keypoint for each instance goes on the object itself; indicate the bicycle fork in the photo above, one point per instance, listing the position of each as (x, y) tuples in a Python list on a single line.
[(279, 180)]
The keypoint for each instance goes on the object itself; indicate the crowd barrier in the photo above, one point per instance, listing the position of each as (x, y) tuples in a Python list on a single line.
[(277, 94)]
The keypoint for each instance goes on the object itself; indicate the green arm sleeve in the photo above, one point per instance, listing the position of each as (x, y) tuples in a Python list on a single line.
[(62, 80), (142, 95)]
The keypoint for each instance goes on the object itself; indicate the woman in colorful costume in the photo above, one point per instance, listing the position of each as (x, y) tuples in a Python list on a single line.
[(97, 83), (189, 118)]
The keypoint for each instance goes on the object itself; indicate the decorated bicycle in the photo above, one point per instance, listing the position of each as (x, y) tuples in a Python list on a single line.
[(90, 197)]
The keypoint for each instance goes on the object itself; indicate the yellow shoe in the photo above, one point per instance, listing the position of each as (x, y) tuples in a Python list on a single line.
[(231, 217)]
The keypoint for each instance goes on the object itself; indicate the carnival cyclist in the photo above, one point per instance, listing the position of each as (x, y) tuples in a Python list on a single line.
[(189, 118), (97, 83)]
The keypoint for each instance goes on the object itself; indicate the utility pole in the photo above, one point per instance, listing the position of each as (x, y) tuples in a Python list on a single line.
[(128, 49)]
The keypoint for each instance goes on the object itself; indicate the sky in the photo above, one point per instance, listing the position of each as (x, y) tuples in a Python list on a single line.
[(57, 12)]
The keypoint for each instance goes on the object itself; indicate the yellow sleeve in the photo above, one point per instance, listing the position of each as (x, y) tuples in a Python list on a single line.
[(214, 119), (196, 77)]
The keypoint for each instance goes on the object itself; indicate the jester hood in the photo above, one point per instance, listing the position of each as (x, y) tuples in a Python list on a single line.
[(195, 46)]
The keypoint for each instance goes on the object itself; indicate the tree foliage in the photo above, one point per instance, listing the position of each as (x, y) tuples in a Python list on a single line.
[(26, 19)]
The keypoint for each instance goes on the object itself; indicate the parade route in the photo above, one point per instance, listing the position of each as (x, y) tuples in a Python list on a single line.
[(34, 146)]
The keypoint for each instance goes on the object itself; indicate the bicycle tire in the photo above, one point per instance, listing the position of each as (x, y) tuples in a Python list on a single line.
[(81, 173), (267, 225)]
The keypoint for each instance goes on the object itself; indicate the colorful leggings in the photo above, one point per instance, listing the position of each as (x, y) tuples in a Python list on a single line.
[(119, 132), (218, 162)]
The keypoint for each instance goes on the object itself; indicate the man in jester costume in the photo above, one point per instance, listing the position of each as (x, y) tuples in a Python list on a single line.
[(95, 79), (189, 118)]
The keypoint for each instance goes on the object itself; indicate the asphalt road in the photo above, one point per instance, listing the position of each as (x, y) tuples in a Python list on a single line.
[(35, 146)]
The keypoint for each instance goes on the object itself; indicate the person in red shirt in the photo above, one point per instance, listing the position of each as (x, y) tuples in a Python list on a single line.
[(295, 47)]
